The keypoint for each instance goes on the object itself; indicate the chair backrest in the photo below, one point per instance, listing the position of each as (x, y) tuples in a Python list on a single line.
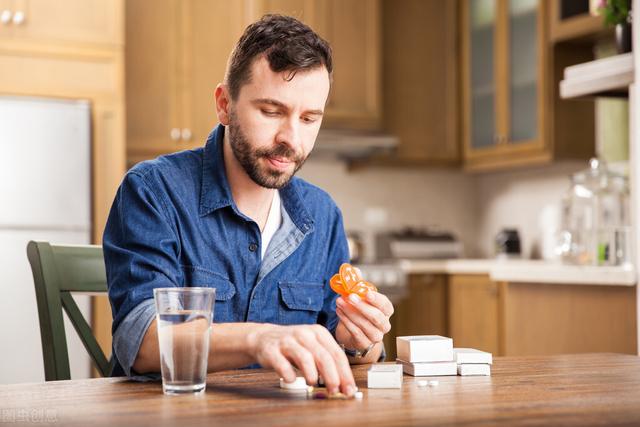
[(57, 271)]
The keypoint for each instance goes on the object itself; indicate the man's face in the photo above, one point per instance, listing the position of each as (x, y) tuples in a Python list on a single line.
[(273, 124)]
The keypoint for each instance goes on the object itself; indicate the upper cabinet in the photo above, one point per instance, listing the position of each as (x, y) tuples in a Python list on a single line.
[(509, 90), (69, 21), (570, 20), (176, 54), (505, 62), (420, 81)]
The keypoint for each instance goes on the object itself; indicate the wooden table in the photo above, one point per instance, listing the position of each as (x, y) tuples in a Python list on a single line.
[(580, 390)]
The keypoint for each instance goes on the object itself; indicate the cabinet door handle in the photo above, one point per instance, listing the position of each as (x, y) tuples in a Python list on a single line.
[(186, 134), (5, 17), (175, 134), (18, 17)]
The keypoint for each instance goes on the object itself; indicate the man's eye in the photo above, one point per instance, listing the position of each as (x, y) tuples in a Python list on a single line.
[(309, 119), (270, 113)]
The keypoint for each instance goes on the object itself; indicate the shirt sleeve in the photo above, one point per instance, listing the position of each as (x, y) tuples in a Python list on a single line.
[(141, 253), (338, 254), (129, 334)]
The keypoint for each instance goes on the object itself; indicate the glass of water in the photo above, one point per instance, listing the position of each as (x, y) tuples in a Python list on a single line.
[(184, 322)]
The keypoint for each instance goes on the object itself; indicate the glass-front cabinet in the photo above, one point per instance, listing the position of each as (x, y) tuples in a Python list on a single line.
[(504, 59)]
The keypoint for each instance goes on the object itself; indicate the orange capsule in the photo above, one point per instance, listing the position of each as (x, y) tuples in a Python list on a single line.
[(337, 285), (349, 275), (361, 289)]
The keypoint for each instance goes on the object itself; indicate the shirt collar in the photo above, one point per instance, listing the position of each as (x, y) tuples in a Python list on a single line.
[(215, 192)]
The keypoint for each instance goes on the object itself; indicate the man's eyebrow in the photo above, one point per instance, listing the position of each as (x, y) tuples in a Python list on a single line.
[(275, 103)]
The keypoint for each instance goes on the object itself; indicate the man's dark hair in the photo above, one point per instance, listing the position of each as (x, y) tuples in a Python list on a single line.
[(288, 45)]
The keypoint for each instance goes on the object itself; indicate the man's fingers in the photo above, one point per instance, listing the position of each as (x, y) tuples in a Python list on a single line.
[(281, 365), (360, 316), (347, 383), (381, 302), (302, 358), (322, 358), (359, 338), (359, 311)]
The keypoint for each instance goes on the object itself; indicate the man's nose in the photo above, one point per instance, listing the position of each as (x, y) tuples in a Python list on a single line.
[(289, 133)]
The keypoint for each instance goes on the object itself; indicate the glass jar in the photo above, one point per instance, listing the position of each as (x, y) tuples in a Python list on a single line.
[(595, 221)]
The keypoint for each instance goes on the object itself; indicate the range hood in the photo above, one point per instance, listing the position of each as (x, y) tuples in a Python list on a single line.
[(350, 145)]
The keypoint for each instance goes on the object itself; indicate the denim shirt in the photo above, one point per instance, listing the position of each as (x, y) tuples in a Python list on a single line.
[(174, 223)]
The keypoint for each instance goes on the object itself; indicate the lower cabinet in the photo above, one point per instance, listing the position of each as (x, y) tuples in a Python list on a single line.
[(474, 312), (517, 319)]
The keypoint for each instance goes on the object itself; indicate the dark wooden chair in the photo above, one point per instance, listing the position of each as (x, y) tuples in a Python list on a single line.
[(58, 271)]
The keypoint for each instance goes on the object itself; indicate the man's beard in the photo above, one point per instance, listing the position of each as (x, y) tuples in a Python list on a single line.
[(249, 158)]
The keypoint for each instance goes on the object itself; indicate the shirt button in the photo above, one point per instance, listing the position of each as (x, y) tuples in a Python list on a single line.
[(253, 247)]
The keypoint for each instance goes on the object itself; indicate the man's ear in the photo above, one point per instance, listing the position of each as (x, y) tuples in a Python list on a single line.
[(222, 103)]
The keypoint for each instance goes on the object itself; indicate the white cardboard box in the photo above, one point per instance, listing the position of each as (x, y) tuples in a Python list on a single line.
[(429, 369), (384, 376), (468, 369), (471, 355), (424, 348)]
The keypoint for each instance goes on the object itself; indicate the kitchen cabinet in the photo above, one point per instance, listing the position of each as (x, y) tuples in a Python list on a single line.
[(570, 20), (174, 59), (66, 21), (420, 83), (53, 52), (517, 318), (473, 312), (511, 112), (542, 319)]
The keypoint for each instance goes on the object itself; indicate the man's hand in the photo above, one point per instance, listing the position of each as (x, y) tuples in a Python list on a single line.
[(363, 323), (310, 348)]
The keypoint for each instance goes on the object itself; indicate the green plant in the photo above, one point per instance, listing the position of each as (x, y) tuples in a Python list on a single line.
[(614, 11)]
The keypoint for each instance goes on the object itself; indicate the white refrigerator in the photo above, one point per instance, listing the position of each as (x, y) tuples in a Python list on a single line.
[(45, 194)]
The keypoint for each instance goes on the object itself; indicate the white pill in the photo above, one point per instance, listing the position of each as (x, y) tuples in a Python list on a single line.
[(423, 383), (358, 395), (433, 383), (298, 384)]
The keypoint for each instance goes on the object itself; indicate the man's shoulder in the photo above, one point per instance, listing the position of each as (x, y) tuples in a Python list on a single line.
[(314, 197), (174, 166)]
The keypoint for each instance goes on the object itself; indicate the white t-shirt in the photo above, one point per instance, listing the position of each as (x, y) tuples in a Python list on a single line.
[(274, 219)]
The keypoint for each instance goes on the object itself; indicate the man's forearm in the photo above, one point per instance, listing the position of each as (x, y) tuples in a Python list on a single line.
[(229, 347)]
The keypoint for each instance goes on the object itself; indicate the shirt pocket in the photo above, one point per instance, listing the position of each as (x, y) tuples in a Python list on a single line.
[(225, 290), (300, 302)]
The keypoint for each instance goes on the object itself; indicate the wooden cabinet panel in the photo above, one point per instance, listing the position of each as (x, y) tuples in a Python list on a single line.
[(152, 72), (76, 21), (545, 319), (473, 312), (352, 27), (420, 83), (205, 61)]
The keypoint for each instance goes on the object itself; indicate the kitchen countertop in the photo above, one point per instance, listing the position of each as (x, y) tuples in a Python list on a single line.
[(525, 271)]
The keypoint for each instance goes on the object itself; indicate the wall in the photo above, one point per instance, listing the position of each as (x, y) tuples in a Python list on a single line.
[(517, 199), (408, 197)]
